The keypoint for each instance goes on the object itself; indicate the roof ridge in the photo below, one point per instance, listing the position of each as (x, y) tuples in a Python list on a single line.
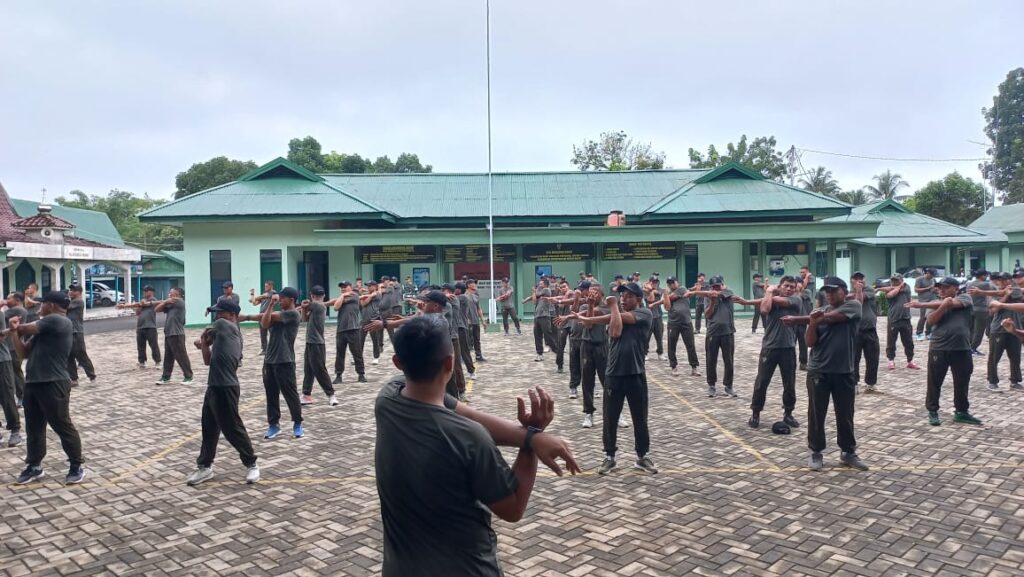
[(512, 173), (357, 198), (174, 201)]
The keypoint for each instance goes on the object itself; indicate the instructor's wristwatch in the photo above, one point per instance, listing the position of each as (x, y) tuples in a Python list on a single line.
[(528, 440)]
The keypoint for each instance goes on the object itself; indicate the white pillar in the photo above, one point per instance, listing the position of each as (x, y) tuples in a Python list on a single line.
[(127, 282), (54, 266)]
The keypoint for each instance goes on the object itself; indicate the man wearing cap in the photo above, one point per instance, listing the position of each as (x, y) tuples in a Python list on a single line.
[(8, 398), (451, 314), (979, 289), (653, 294), (626, 375), (174, 337), (950, 350), (542, 332), (264, 302), (145, 325), (720, 338), (477, 318), (699, 285), (314, 363), (899, 326), (389, 299), (279, 361), (999, 339), (677, 301), (924, 287), (460, 305), (561, 305), (348, 336), (593, 351), (48, 386), (866, 343), (508, 306), (221, 345), (831, 332), (575, 301), (778, 349), (76, 314), (758, 289), (371, 303)]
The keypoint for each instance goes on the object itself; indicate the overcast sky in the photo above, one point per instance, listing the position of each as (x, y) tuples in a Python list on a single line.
[(101, 95)]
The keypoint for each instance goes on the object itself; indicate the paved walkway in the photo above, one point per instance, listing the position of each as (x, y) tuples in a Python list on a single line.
[(728, 501)]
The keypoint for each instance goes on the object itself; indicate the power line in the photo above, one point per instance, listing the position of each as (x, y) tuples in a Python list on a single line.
[(862, 157)]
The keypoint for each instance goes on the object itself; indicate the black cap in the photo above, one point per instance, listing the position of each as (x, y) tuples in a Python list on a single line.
[(448, 286), (617, 277), (1018, 273), (289, 292), (385, 278), (59, 298), (227, 284), (631, 287), (931, 271), (948, 281), (394, 278), (654, 278), (980, 272), (460, 286), (148, 288), (344, 284), (716, 280), (436, 297), (671, 279), (781, 428), (372, 282), (834, 282), (857, 274), (317, 290), (224, 306), (584, 285), (583, 273), (75, 288)]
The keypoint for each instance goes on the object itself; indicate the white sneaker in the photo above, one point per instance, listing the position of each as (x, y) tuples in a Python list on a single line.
[(333, 400), (623, 423), (142, 366), (199, 475), (252, 474), (375, 361), (994, 387), (539, 358), (471, 376), (588, 421), (661, 357)]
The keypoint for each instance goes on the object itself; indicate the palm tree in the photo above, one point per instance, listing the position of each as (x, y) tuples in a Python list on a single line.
[(820, 180), (854, 197), (888, 185)]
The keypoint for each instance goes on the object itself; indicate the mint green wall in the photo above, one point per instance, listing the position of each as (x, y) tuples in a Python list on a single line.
[(871, 261), (930, 256), (723, 258), (993, 259)]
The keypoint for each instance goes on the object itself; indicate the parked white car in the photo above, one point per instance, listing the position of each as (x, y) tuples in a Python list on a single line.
[(103, 295)]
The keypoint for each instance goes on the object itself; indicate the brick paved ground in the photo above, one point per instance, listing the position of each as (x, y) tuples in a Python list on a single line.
[(729, 500)]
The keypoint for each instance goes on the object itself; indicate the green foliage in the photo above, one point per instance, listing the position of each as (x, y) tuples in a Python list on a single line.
[(384, 165), (123, 207), (886, 185), (306, 153), (954, 199), (615, 151), (213, 172), (407, 162), (1005, 128), (820, 180), (854, 197), (760, 155)]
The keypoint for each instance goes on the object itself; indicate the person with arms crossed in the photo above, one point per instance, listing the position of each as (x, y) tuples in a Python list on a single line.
[(720, 338), (76, 314), (477, 319), (348, 336), (778, 349), (866, 344), (677, 301), (263, 301), (979, 289), (145, 326), (314, 361), (174, 337), (508, 306), (758, 289), (999, 339), (653, 295), (924, 287), (898, 296)]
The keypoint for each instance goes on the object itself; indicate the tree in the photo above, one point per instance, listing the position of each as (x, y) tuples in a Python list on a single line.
[(820, 180), (615, 151), (383, 165), (407, 162), (954, 199), (854, 197), (306, 152), (759, 155), (123, 207), (1005, 128), (888, 184), (213, 172)]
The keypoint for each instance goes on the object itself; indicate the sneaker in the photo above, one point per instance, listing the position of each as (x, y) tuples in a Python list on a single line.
[(588, 421), (519, 333), (711, 391), (919, 337), (994, 387), (142, 366), (789, 420), (754, 421), (361, 379), (646, 464), (853, 461), (163, 381), (30, 474), (913, 365), (187, 381), (1016, 386), (559, 370), (263, 352), (933, 418), (375, 361), (977, 353), (337, 380), (199, 475), (694, 372), (803, 366), (481, 360), (675, 372), (306, 400), (729, 392), (965, 418), (252, 474), (607, 466), (297, 431), (573, 394), (471, 375), (14, 440), (272, 432), (870, 389), (816, 462), (76, 474), (539, 358), (333, 400), (623, 423), (74, 383)]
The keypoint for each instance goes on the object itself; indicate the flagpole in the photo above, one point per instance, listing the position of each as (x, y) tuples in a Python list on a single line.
[(492, 307)]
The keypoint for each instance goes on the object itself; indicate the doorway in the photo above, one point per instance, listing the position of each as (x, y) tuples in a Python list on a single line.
[(390, 269)]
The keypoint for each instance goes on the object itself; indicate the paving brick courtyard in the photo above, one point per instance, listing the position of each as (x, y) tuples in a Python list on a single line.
[(729, 500)]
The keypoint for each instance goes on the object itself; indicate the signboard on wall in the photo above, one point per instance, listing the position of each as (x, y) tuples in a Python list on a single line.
[(640, 251), (478, 253), (558, 252), (398, 254), (481, 270)]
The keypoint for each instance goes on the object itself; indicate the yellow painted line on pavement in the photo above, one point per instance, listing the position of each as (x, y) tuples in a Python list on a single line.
[(714, 423)]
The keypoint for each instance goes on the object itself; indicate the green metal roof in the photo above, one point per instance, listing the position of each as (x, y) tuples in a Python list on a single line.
[(898, 225), (175, 255), (89, 224), (1006, 218)]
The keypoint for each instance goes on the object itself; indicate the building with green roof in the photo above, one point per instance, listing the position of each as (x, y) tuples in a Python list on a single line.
[(281, 222), (1007, 220)]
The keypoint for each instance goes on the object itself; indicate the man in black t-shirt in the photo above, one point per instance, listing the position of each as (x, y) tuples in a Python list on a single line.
[(145, 325), (778, 349), (348, 336), (76, 314), (721, 335), (831, 332), (174, 337), (439, 472), (314, 362), (899, 325), (653, 295), (264, 301), (950, 348), (48, 386), (698, 315), (279, 361), (508, 306), (626, 374), (677, 301), (999, 339), (542, 330), (758, 289), (221, 345), (866, 345)]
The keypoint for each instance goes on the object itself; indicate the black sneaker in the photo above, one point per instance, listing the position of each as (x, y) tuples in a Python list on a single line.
[(933, 418), (966, 418), (816, 462), (803, 366), (789, 420), (607, 466), (361, 379), (481, 360), (646, 464), (75, 475), (30, 474), (853, 461), (560, 370), (337, 380), (755, 421)]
